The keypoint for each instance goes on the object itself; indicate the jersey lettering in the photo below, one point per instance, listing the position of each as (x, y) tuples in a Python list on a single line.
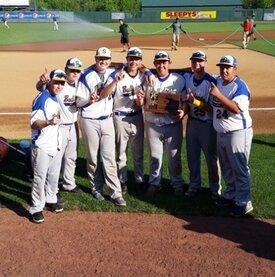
[(198, 112), (221, 114)]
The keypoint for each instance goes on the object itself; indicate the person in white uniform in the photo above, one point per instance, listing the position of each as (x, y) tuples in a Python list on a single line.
[(46, 142), (128, 118), (96, 121), (233, 124), (68, 123), (164, 130)]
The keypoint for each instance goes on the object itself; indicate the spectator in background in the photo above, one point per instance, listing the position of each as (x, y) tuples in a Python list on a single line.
[(176, 26), (123, 29), (246, 32), (253, 25)]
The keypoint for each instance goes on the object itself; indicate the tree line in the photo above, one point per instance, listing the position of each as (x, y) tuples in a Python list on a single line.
[(88, 5), (258, 4)]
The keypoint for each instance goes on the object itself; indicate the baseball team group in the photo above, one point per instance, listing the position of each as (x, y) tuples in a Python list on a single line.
[(111, 106)]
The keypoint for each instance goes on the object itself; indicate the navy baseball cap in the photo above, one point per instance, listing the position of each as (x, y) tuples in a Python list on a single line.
[(199, 55), (134, 52), (58, 75), (227, 60), (162, 56), (74, 63)]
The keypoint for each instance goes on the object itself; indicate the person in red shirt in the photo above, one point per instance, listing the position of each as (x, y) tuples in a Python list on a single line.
[(246, 32)]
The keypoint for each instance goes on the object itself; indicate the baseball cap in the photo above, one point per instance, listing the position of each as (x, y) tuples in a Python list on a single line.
[(162, 56), (227, 60), (134, 52), (199, 55), (103, 52), (58, 75), (74, 63)]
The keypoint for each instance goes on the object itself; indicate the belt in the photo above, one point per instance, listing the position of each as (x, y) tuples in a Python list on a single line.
[(128, 113), (102, 117), (66, 124)]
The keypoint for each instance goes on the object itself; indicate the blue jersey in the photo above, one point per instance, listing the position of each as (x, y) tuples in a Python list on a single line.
[(200, 89)]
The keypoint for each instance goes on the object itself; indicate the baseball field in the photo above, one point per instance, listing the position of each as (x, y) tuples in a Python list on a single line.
[(124, 243)]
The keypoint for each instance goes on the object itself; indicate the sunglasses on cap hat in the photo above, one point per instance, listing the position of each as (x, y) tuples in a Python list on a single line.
[(199, 55), (74, 63), (228, 60), (161, 55), (134, 52), (58, 75)]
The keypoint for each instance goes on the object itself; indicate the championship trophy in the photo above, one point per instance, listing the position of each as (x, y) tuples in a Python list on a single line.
[(162, 102)]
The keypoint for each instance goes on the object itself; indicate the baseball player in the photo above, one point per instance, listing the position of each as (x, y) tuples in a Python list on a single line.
[(68, 123), (200, 133), (177, 28), (55, 24), (46, 142), (96, 121), (233, 124), (5, 22), (124, 84), (164, 130)]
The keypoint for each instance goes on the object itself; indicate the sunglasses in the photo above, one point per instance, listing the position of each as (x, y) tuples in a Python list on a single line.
[(161, 56), (135, 53), (59, 75), (56, 82), (74, 70), (198, 56)]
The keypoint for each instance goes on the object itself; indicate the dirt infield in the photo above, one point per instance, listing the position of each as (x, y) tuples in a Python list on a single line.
[(122, 244), (23, 65)]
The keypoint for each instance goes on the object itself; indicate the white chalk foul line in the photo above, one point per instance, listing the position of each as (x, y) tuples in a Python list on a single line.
[(15, 113), (262, 109)]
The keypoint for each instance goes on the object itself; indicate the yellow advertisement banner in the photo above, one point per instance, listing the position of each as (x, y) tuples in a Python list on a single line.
[(188, 14)]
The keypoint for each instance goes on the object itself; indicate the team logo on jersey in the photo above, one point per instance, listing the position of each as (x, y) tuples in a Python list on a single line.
[(69, 101), (130, 91)]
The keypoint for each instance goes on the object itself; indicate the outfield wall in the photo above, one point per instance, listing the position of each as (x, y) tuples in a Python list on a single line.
[(158, 15)]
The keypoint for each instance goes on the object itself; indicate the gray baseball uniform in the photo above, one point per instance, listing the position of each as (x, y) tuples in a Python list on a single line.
[(68, 127), (129, 125), (165, 130), (201, 136), (98, 132), (45, 145), (234, 138)]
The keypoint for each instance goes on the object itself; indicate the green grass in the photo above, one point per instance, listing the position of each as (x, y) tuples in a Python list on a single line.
[(14, 192), (40, 32), (28, 32)]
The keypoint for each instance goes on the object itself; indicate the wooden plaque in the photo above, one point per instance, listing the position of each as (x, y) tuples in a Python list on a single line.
[(165, 103)]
